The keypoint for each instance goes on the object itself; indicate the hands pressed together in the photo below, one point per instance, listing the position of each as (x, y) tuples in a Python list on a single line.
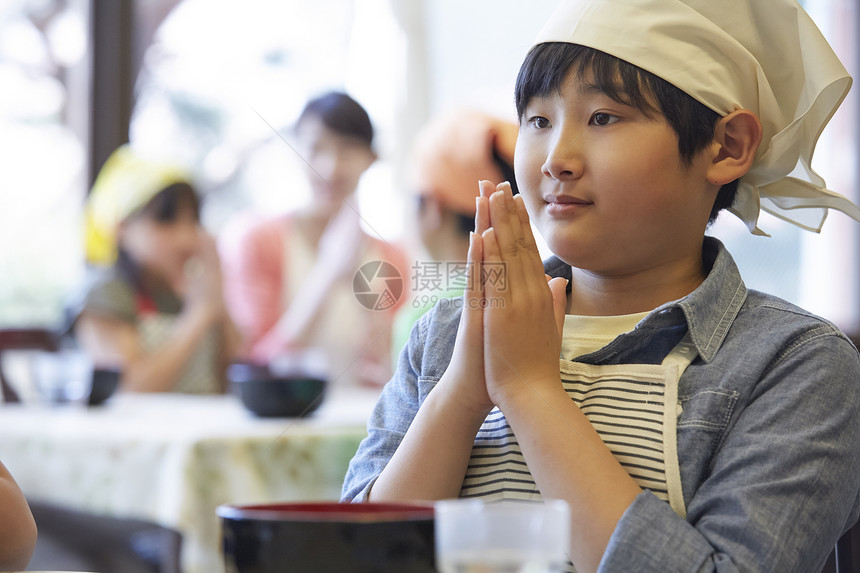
[(203, 278), (509, 337)]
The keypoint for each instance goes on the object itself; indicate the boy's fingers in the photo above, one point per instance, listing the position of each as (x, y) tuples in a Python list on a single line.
[(503, 238), (482, 215), (513, 217), (504, 218), (482, 207), (486, 188), (473, 264), (523, 217), (528, 238), (514, 237), (494, 272), (471, 319), (498, 212)]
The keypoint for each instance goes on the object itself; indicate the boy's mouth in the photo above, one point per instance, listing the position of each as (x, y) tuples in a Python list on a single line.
[(564, 199), (564, 205)]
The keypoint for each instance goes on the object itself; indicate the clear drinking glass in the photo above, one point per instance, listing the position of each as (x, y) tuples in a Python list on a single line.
[(63, 377), (474, 536)]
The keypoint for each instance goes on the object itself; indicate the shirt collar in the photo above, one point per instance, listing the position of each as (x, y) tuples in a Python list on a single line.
[(708, 311), (711, 309)]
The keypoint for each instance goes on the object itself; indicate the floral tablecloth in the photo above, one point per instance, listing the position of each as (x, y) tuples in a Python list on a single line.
[(172, 459)]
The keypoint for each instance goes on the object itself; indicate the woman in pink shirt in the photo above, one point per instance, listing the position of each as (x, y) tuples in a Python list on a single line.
[(290, 278)]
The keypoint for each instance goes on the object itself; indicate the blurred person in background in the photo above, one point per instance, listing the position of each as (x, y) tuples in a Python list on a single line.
[(290, 278), (153, 303), (17, 528), (451, 153)]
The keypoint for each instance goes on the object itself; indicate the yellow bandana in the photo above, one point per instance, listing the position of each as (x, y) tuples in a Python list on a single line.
[(126, 183)]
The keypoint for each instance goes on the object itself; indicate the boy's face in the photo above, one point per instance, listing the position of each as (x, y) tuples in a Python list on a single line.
[(605, 184)]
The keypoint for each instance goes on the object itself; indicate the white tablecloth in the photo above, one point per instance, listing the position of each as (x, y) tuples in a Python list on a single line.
[(172, 459)]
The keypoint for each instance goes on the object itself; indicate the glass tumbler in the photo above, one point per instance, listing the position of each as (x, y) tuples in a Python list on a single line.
[(474, 536)]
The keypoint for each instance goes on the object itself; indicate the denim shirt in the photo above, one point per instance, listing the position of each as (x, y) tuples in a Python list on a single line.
[(768, 431)]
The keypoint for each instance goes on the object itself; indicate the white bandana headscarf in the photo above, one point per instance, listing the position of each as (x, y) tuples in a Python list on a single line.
[(766, 56)]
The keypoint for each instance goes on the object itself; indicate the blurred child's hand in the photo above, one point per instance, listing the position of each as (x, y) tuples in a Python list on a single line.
[(524, 309), (204, 280)]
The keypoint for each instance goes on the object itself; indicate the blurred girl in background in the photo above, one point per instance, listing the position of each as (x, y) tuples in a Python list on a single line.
[(153, 305)]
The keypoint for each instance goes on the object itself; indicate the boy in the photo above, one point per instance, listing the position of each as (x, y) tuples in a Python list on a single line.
[(691, 424)]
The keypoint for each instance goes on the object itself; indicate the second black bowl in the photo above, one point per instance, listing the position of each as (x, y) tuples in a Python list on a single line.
[(269, 395)]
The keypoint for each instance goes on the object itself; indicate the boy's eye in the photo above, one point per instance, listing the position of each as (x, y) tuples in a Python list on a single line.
[(603, 118), (539, 122)]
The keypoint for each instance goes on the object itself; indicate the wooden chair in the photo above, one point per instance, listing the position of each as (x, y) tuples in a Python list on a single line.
[(23, 339), (71, 540)]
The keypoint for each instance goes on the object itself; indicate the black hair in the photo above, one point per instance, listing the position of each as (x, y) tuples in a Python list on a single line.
[(164, 207), (548, 64), (340, 113)]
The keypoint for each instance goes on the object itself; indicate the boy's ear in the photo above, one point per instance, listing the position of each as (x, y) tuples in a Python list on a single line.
[(737, 136)]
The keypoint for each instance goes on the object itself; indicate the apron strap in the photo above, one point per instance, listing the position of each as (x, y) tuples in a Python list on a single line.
[(675, 364)]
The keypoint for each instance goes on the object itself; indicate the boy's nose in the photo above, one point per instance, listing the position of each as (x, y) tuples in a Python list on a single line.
[(563, 160)]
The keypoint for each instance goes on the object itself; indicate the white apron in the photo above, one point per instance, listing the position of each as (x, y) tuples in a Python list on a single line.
[(634, 408)]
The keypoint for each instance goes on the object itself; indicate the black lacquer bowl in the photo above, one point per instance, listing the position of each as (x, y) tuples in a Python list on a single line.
[(105, 383), (328, 537), (273, 395)]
